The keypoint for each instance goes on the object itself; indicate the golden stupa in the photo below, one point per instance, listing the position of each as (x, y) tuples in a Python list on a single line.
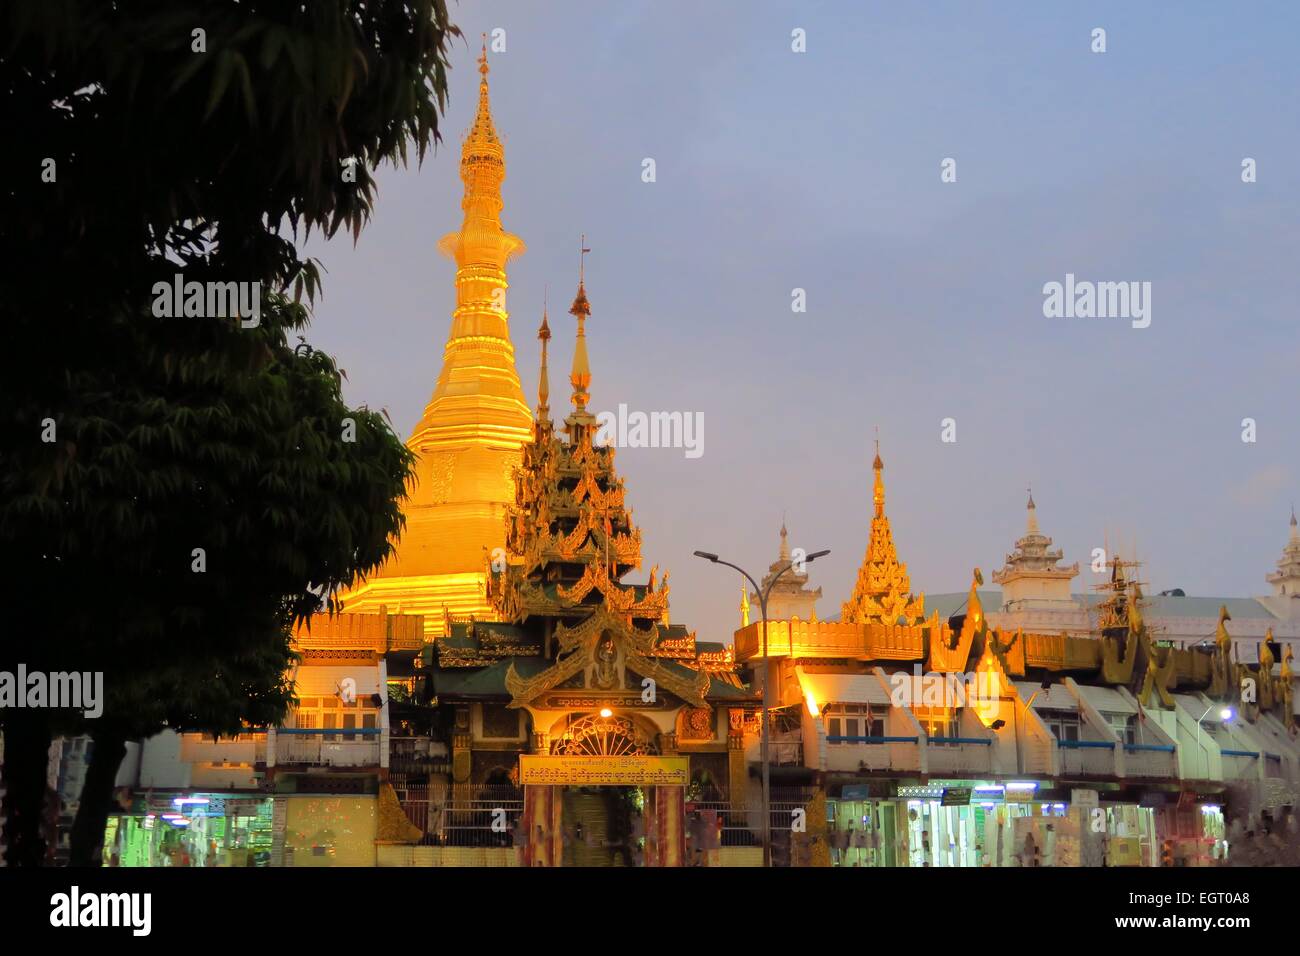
[(469, 438)]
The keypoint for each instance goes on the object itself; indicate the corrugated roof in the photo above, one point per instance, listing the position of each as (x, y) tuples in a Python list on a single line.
[(1056, 697), (1107, 700), (843, 688)]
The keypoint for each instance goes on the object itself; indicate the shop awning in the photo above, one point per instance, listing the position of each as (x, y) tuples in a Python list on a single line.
[(843, 688)]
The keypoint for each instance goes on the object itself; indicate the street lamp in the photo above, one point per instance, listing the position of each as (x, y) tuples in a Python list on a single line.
[(767, 685), (1225, 715)]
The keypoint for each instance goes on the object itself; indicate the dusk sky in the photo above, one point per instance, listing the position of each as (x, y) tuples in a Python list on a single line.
[(778, 170)]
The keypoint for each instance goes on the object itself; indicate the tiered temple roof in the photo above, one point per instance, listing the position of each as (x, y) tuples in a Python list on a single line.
[(568, 619), (883, 591), (790, 596), (1032, 573)]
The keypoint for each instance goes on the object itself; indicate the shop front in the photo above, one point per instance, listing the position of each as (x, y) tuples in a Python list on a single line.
[(191, 830)]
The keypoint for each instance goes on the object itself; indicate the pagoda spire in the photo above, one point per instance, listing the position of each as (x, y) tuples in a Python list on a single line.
[(580, 376), (878, 488), (471, 435), (543, 380), (883, 593), (1286, 579), (744, 605), (479, 383), (1031, 519)]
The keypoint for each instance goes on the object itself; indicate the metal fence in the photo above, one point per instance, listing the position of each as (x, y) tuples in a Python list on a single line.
[(740, 823), (415, 758), (467, 816)]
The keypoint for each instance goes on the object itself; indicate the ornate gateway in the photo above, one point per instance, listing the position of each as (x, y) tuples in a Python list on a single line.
[(595, 736)]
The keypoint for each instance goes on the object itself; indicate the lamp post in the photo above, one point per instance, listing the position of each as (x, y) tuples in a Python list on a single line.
[(767, 685), (1225, 715)]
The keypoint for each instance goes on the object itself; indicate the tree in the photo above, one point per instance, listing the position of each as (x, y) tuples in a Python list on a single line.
[(196, 137)]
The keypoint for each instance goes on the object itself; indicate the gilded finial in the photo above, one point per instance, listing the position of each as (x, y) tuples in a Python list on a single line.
[(482, 144), (580, 377), (878, 490), (543, 382)]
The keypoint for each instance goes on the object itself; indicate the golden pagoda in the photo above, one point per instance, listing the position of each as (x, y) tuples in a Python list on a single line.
[(468, 441), (883, 593)]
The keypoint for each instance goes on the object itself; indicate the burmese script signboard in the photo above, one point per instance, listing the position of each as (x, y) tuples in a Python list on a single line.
[(550, 770)]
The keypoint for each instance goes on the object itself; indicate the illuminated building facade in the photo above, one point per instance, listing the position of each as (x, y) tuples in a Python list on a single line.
[(960, 742)]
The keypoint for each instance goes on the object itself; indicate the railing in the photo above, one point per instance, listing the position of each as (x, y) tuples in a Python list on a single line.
[(351, 747), (1094, 757), (959, 754), (741, 823), (466, 816), (872, 753), (1240, 764), (248, 747), (1150, 760)]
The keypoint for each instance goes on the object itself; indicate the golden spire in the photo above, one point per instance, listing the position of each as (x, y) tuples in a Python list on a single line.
[(883, 591), (478, 393), (580, 377), (744, 605), (482, 135), (878, 490), (469, 439), (543, 382)]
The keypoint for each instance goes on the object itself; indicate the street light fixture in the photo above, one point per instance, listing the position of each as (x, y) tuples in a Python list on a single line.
[(767, 684), (1225, 715)]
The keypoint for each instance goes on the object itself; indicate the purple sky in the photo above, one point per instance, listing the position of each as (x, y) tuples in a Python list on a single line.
[(821, 170)]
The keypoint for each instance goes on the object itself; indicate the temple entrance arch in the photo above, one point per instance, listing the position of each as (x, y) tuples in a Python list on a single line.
[(604, 794), (594, 735)]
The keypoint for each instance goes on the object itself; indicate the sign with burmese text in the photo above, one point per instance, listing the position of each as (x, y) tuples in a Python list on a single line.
[(549, 770)]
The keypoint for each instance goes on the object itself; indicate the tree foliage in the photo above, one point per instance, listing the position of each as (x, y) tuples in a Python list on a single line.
[(202, 137)]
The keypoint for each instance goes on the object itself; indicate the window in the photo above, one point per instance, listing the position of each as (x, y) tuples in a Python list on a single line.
[(1124, 725), (851, 720), (941, 726), (1063, 724)]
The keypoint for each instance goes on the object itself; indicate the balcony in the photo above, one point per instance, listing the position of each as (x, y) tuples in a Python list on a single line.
[(1091, 758), (962, 756), (1240, 764), (873, 753), (354, 747), (247, 748), (1150, 761)]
